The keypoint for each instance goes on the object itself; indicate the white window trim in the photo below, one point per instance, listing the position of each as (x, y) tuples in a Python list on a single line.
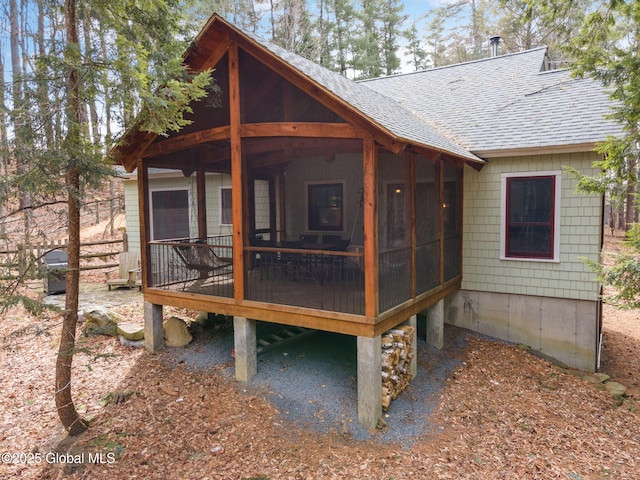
[(556, 215), (168, 189), (344, 205), (220, 189)]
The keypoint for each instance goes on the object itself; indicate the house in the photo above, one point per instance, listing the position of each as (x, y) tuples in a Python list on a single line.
[(173, 205), (354, 207), (525, 279)]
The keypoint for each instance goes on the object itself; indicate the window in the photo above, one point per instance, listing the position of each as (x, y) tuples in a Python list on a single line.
[(170, 214), (226, 217), (325, 204), (397, 223), (530, 216)]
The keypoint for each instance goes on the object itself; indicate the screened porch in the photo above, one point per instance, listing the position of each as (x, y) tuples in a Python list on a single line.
[(303, 242)]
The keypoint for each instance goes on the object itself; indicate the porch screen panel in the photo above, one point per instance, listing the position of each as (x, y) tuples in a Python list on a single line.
[(268, 97), (452, 217), (170, 213), (394, 232), (427, 195), (169, 220), (210, 112), (313, 195)]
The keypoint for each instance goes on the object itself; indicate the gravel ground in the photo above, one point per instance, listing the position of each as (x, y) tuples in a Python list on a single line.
[(313, 380)]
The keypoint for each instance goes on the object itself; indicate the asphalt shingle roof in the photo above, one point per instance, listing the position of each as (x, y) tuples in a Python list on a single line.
[(386, 112), (503, 103)]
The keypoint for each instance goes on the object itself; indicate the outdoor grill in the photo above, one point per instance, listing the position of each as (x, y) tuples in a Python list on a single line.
[(55, 278)]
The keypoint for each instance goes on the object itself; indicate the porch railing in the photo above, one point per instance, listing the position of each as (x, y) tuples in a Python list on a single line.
[(319, 279), (394, 277), (198, 265)]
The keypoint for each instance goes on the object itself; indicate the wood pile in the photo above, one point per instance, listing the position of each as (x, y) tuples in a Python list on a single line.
[(397, 352)]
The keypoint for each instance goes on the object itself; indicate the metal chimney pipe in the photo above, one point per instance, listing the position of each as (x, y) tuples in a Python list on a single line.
[(495, 44)]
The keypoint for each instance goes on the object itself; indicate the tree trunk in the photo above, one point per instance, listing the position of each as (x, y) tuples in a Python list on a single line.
[(20, 111), (631, 193), (69, 417), (4, 150)]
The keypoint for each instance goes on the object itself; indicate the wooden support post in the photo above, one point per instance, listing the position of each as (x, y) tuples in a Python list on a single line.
[(153, 328), (435, 325), (246, 348), (369, 381), (238, 174), (370, 222)]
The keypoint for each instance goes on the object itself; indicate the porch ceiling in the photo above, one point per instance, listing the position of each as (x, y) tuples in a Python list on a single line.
[(261, 154)]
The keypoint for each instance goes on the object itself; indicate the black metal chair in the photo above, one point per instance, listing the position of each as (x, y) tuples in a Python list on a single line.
[(198, 255)]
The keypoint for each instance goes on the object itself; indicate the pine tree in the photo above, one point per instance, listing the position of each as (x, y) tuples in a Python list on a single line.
[(344, 14), (418, 56), (139, 53), (392, 20), (367, 59)]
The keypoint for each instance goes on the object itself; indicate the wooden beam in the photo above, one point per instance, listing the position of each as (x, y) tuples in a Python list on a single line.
[(400, 313), (301, 129), (131, 148), (328, 321), (370, 170), (144, 222), (282, 200), (237, 175), (432, 155), (410, 175), (275, 129), (273, 228), (202, 203), (460, 215), (184, 141), (207, 48), (441, 206), (345, 323)]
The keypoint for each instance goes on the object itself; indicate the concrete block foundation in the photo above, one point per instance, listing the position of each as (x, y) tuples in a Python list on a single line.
[(566, 330), (369, 381), (153, 331), (246, 348)]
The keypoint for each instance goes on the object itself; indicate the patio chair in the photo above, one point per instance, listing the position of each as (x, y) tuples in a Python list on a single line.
[(128, 271), (200, 256)]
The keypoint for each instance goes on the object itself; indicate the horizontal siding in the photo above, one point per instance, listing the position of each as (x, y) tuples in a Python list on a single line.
[(132, 218), (580, 229), (213, 185)]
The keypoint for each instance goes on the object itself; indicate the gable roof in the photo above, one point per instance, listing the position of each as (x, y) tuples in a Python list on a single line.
[(377, 111), (486, 108), (501, 105)]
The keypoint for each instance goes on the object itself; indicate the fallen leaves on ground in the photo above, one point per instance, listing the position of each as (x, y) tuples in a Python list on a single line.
[(504, 413)]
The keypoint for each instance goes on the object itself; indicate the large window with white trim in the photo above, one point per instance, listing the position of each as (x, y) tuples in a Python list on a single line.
[(530, 216)]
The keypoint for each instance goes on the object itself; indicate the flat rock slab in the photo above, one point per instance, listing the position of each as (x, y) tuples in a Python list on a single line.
[(130, 331), (616, 389), (100, 321), (603, 377)]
